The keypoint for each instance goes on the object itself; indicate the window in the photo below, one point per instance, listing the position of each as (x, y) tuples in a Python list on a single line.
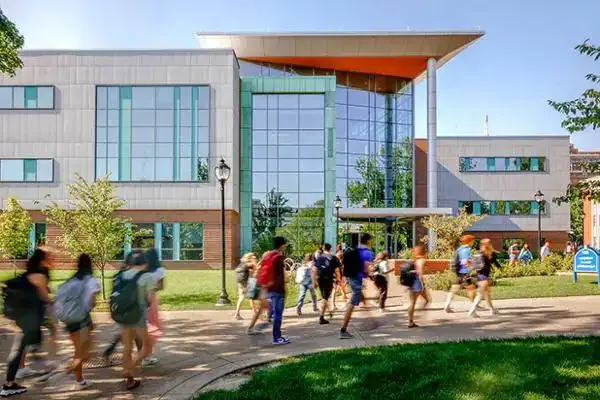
[(191, 242), (502, 164), (153, 133), (27, 97), (502, 207), (26, 170), (143, 237), (167, 241), (40, 234)]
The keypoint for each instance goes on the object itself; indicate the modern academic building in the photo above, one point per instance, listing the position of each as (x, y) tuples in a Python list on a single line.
[(299, 118)]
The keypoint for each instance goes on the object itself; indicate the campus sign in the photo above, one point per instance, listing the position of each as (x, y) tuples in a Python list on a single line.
[(586, 260)]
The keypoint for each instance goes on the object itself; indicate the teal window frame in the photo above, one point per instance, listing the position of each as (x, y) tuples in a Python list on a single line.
[(30, 99), (511, 207), (491, 164), (511, 164), (158, 241), (477, 207), (30, 170)]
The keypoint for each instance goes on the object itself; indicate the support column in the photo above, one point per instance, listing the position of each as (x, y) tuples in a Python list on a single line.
[(431, 142)]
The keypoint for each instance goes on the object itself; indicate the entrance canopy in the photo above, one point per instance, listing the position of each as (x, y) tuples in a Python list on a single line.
[(399, 214)]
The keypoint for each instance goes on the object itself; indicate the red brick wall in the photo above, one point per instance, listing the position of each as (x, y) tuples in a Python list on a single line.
[(420, 183), (431, 266), (587, 221)]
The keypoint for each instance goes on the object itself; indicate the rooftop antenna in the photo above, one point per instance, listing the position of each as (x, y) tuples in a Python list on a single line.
[(486, 130)]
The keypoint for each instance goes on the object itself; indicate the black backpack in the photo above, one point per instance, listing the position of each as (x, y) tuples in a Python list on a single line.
[(477, 261), (407, 274), (326, 265), (352, 261), (125, 307), (18, 296)]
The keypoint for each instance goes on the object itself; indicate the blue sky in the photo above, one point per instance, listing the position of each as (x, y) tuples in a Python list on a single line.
[(525, 58)]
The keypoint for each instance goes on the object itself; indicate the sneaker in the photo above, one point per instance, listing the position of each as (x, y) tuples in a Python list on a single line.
[(382, 310), (238, 317), (473, 314), (132, 384), (253, 331), (50, 376), (12, 390), (493, 311), (84, 384), (346, 335), (299, 312), (150, 361), (448, 309), (315, 309), (281, 341), (262, 326), (26, 373), (323, 321)]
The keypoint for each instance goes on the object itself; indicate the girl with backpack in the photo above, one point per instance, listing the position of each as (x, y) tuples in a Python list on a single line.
[(155, 326), (489, 259), (525, 255), (305, 277), (418, 287), (340, 282), (380, 271), (87, 287), (244, 272)]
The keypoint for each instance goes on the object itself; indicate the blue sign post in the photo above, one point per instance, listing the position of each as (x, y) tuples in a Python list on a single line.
[(586, 260)]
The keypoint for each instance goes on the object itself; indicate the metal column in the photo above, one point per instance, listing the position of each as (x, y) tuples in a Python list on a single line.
[(431, 142)]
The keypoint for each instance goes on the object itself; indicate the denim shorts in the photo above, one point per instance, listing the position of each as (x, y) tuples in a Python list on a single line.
[(482, 277), (356, 286)]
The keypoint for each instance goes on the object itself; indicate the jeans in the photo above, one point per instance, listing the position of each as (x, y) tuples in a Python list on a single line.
[(29, 335), (303, 290), (356, 286), (277, 310)]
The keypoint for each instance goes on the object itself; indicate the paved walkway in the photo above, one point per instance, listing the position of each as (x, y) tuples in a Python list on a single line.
[(200, 346)]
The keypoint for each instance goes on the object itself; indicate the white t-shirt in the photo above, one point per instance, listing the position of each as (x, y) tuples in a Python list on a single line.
[(92, 287)]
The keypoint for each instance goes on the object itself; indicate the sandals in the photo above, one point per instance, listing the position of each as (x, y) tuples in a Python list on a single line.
[(413, 325), (132, 384)]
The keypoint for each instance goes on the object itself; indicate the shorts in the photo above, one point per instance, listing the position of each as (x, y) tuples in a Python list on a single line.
[(78, 326), (482, 278), (417, 286), (243, 289), (356, 286), (325, 287), (463, 279)]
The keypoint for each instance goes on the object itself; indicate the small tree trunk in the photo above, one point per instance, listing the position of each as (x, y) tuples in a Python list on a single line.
[(102, 280)]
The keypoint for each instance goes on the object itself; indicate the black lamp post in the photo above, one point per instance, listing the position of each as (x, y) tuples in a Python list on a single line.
[(337, 204), (539, 199), (222, 173)]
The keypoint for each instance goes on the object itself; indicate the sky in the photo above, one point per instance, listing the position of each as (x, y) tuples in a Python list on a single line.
[(526, 57)]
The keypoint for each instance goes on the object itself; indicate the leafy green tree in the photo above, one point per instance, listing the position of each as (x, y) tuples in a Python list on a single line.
[(269, 215), (304, 230), (15, 224), (580, 114), (576, 206), (448, 230), (89, 223), (11, 41)]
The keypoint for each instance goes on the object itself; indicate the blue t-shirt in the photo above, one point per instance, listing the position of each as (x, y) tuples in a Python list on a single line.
[(464, 255), (366, 256)]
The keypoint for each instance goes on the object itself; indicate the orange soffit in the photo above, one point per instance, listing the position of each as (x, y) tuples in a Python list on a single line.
[(404, 67)]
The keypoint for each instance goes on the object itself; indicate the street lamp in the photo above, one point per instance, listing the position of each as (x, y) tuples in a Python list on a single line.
[(337, 204), (222, 173), (539, 199)]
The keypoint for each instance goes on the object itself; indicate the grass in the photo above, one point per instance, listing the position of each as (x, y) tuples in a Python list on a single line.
[(531, 369), (184, 290), (545, 286)]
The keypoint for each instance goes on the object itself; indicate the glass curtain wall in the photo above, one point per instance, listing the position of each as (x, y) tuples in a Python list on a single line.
[(374, 145)]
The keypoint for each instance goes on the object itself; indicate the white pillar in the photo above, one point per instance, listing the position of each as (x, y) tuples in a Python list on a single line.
[(431, 142)]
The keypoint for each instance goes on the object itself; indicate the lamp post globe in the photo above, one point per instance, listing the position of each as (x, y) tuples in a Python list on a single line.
[(222, 173)]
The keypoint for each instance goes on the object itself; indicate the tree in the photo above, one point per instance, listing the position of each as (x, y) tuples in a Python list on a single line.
[(580, 114), (448, 230), (15, 224), (267, 216), (89, 224), (576, 205), (305, 230), (11, 41)]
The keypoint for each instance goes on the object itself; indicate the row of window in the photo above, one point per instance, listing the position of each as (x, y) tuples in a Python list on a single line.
[(26, 97), (174, 241), (502, 164), (502, 207), (26, 170)]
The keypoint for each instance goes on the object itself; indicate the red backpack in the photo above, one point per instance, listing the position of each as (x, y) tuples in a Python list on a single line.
[(266, 273)]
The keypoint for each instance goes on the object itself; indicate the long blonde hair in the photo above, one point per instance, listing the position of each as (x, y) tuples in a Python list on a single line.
[(247, 258), (486, 247)]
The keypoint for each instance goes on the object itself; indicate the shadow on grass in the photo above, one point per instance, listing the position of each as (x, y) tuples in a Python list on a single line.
[(541, 368)]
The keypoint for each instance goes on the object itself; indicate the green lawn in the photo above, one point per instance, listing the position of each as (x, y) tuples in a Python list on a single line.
[(545, 286), (531, 369), (184, 290)]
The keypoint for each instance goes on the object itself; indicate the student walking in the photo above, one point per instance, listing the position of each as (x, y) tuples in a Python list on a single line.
[(244, 271), (339, 284), (356, 262), (305, 277), (75, 299), (257, 292), (462, 267), (513, 253), (326, 267), (133, 291), (525, 255), (545, 250), (155, 326), (275, 284), (483, 275), (417, 288), (380, 270), (25, 298)]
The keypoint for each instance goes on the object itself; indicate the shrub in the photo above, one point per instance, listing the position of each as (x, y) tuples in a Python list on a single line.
[(549, 266), (440, 281)]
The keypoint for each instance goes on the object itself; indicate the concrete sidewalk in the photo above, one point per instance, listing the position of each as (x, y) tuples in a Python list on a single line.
[(200, 346)]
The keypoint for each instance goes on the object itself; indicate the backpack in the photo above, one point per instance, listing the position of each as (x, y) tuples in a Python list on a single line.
[(301, 274), (125, 307), (266, 273), (455, 263), (353, 264), (242, 273), (18, 297), (69, 305), (477, 261), (407, 274), (326, 266)]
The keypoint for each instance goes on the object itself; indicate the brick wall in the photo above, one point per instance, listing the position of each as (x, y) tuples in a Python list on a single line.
[(420, 183), (587, 221)]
